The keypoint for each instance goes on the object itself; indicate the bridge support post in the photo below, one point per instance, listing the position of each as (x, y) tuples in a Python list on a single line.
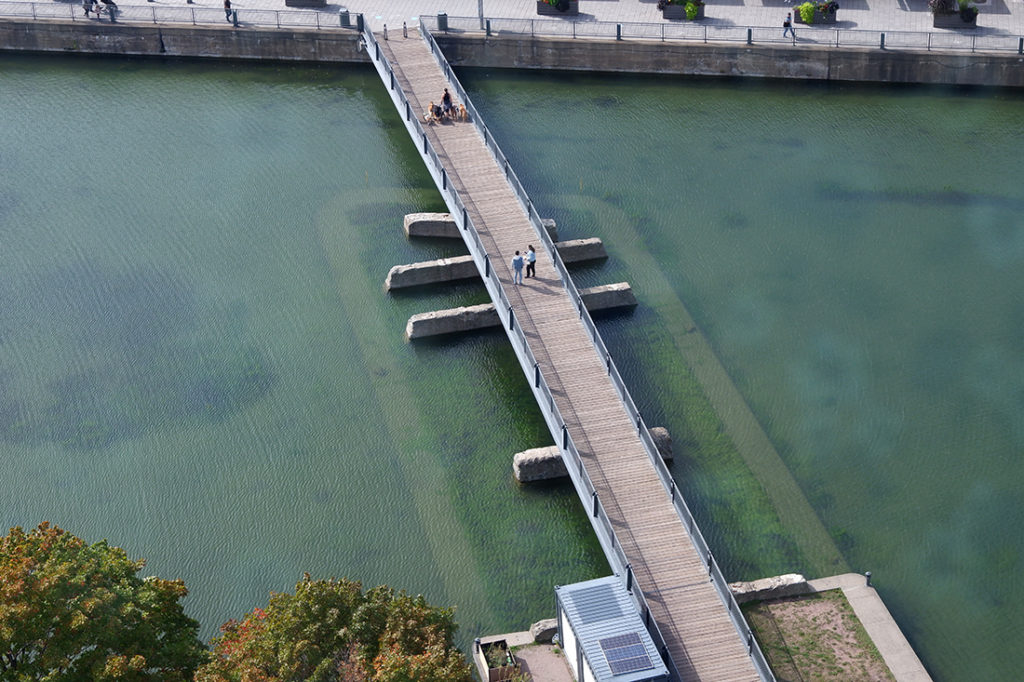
[(629, 577), (511, 319), (465, 219), (750, 36), (639, 423), (359, 22), (710, 559), (424, 143), (596, 503), (444, 180), (565, 437), (487, 266), (618, 31), (536, 375), (672, 491), (408, 111), (608, 363), (488, 28), (1020, 46), (881, 42), (868, 576)]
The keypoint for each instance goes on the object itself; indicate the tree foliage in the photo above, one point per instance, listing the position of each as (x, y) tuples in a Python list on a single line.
[(73, 611), (330, 630)]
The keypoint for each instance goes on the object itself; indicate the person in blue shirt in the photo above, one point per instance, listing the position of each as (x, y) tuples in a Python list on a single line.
[(517, 269)]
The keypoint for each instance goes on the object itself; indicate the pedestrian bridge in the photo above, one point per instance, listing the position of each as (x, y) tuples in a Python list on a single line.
[(641, 520)]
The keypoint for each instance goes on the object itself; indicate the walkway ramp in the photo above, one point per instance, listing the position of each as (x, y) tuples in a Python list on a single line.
[(639, 517)]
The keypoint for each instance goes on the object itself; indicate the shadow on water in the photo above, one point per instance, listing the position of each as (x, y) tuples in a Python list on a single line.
[(155, 353)]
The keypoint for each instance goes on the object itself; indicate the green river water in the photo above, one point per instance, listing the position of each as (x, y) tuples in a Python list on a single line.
[(199, 363)]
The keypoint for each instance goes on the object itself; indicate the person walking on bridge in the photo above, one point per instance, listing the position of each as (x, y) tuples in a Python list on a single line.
[(517, 269), (531, 263), (227, 9)]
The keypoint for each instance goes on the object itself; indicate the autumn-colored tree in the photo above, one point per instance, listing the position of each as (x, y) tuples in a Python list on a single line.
[(73, 611), (329, 630)]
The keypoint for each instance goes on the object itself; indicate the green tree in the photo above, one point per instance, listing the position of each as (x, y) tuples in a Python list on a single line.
[(73, 611), (329, 630)]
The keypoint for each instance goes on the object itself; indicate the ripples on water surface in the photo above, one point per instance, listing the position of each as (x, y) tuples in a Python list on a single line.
[(197, 360), (855, 256)]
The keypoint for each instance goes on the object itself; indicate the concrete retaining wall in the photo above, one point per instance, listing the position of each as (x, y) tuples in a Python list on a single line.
[(93, 37), (735, 59), (629, 56)]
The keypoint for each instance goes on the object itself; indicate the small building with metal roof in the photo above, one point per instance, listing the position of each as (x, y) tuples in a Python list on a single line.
[(603, 636)]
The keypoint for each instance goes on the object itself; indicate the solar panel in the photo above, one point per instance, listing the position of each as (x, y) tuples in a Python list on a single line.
[(625, 653)]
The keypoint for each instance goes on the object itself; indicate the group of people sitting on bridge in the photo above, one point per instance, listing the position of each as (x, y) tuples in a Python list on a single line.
[(94, 7), (445, 111)]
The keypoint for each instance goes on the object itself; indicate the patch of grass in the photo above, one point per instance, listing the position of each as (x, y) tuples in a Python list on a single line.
[(815, 637)]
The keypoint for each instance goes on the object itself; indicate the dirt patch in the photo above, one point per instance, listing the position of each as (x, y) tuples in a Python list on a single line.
[(815, 637)]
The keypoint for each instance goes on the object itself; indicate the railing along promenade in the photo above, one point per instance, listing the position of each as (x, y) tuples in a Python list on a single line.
[(608, 531), (664, 31), (189, 15), (707, 32)]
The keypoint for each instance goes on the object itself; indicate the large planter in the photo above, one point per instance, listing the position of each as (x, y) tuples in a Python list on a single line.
[(819, 17), (573, 7), (954, 20), (679, 12), (509, 668)]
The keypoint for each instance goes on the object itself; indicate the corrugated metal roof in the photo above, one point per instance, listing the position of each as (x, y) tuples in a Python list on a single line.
[(602, 611)]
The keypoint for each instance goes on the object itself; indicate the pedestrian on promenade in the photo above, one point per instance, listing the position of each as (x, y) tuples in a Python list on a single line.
[(227, 9), (517, 269), (531, 263), (87, 6), (787, 25)]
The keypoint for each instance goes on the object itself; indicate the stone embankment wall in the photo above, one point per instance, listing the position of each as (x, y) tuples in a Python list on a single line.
[(94, 37), (628, 56), (736, 60)]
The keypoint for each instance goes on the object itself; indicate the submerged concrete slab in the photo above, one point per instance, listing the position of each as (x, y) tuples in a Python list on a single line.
[(462, 267), (545, 464), (472, 318)]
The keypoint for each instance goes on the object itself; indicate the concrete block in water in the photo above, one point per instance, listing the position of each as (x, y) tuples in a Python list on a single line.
[(579, 250), (544, 464), (462, 267), (443, 225), (482, 316), (608, 296), (431, 272), (430, 225), (468, 318)]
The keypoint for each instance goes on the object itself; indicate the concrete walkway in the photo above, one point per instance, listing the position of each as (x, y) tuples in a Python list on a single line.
[(997, 17)]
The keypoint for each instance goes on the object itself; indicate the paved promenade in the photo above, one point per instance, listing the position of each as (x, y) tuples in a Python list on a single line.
[(997, 17)]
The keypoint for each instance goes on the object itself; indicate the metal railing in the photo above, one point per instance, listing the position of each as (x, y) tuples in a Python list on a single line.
[(531, 367), (188, 14), (977, 41)]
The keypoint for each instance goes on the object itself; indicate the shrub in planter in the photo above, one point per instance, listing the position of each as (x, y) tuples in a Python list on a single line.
[(817, 12), (682, 9), (558, 6), (953, 13)]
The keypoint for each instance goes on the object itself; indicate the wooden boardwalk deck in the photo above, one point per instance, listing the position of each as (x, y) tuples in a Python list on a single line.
[(702, 641)]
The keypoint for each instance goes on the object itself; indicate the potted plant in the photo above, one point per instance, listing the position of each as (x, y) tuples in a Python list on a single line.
[(953, 13), (558, 6), (823, 12), (690, 10)]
